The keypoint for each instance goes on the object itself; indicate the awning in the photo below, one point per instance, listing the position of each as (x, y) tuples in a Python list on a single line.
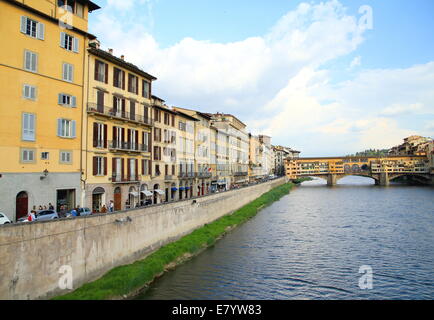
[(174, 189), (160, 192), (134, 194), (187, 188), (181, 188), (147, 193)]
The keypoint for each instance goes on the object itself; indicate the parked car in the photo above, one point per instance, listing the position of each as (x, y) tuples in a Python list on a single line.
[(43, 215), (81, 212), (4, 219)]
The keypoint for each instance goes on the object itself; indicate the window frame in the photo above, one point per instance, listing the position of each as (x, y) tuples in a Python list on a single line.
[(30, 88), (69, 72), (22, 150), (63, 152), (34, 56), (23, 129)]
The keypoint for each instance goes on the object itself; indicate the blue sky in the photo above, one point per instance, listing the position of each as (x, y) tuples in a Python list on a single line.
[(281, 62)]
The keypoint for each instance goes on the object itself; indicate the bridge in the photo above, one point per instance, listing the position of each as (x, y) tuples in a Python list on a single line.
[(382, 169)]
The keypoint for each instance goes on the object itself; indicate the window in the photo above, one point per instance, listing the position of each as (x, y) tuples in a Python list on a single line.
[(28, 127), (67, 100), (68, 42), (146, 167), (65, 157), (45, 156), (157, 134), (29, 92), (68, 72), (101, 71), (28, 155), (30, 61), (146, 89), (157, 115), (166, 118), (118, 78), (79, 10), (32, 28), (68, 5), (99, 166), (133, 83), (99, 135), (182, 126), (66, 128)]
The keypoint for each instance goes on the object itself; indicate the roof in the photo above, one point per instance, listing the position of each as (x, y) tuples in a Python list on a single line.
[(129, 66), (229, 115), (186, 115), (202, 114), (157, 98), (92, 6)]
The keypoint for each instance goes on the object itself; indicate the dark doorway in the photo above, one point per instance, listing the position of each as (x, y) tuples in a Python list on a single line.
[(65, 198), (22, 205), (117, 199)]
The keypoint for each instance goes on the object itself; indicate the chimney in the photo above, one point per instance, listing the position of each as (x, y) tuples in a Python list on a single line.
[(122, 57), (110, 51)]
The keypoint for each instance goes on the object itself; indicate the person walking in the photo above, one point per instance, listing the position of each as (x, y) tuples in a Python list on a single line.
[(111, 206), (50, 206)]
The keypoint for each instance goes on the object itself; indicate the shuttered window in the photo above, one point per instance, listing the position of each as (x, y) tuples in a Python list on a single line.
[(69, 42), (32, 28), (65, 157), (68, 72), (66, 128), (146, 89), (27, 155), (67, 100), (30, 61), (99, 166), (28, 127), (101, 71), (29, 92)]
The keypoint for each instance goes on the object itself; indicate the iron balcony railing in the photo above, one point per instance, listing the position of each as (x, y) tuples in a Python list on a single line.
[(204, 175), (240, 173), (186, 175), (112, 112), (128, 146), (120, 179)]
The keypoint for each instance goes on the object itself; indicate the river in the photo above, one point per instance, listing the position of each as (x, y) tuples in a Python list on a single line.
[(311, 244)]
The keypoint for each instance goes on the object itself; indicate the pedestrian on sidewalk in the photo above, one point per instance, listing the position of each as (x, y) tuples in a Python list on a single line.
[(104, 209), (111, 206)]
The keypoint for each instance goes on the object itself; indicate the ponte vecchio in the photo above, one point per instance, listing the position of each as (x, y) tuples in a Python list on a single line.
[(382, 169)]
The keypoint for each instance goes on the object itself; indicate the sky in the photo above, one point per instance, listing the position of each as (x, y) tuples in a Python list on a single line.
[(328, 78)]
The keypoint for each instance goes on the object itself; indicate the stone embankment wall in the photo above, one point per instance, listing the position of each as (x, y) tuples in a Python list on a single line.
[(33, 255)]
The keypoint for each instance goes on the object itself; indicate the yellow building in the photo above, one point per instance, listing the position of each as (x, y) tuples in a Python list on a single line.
[(205, 168), (116, 132), (41, 89)]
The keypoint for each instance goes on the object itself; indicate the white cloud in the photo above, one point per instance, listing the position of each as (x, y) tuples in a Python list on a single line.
[(275, 83), (356, 62)]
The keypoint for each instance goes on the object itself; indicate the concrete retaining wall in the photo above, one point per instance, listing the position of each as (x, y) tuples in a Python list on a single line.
[(31, 255)]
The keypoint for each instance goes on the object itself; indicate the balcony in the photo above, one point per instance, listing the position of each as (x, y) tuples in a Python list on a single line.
[(204, 175), (186, 175), (240, 173), (120, 179), (93, 108), (128, 146)]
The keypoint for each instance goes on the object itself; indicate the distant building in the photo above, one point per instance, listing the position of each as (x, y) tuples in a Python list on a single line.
[(413, 145), (280, 154)]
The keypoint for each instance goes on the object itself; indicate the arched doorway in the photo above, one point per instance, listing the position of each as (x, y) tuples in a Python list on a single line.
[(132, 195), (97, 199), (22, 205), (118, 199)]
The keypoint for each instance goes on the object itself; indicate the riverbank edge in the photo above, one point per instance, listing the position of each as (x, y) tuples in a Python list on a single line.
[(128, 280)]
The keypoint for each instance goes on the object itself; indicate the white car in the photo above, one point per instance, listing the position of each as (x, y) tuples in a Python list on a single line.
[(4, 219)]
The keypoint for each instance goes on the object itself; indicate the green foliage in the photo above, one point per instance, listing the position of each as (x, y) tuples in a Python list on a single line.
[(126, 279), (371, 153)]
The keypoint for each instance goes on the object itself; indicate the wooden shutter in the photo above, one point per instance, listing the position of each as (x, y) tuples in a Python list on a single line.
[(128, 169), (123, 135), (143, 166), (95, 134), (123, 80), (137, 170), (105, 136), (115, 80), (113, 166), (122, 169), (149, 167), (129, 135), (137, 85), (115, 133), (106, 73), (105, 166), (95, 166), (73, 102), (40, 30), (123, 107), (137, 137), (62, 40), (96, 69), (73, 129), (23, 24), (75, 43)]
